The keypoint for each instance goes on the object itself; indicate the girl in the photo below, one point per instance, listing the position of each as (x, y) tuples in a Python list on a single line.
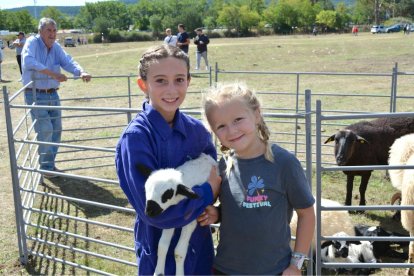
[(159, 137), (262, 184)]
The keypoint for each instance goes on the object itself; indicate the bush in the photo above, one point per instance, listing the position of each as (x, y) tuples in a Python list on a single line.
[(118, 36), (215, 34), (115, 36), (138, 36)]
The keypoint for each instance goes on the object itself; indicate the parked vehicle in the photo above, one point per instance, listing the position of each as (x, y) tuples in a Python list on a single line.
[(69, 41), (376, 29), (393, 29)]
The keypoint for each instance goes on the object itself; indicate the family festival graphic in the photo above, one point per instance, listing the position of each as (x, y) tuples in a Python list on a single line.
[(256, 197)]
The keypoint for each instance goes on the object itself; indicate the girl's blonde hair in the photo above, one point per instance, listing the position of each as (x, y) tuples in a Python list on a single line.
[(237, 91)]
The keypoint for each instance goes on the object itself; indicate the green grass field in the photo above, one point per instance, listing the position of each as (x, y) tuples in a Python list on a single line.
[(343, 53)]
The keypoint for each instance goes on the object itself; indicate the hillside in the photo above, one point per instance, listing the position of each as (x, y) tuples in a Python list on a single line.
[(74, 10), (69, 10)]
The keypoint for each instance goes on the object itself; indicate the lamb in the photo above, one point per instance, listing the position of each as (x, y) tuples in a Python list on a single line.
[(346, 251), (332, 221), (402, 153), (167, 187), (367, 143)]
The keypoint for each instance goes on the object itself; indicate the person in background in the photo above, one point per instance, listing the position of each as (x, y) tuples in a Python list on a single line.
[(170, 39), (183, 39), (18, 45), (201, 40), (43, 57), (162, 136), (262, 185), (355, 30)]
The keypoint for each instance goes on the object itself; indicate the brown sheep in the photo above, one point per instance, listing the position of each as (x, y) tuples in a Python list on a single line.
[(367, 143)]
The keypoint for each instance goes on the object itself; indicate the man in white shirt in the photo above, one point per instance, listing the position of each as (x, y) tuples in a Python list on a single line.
[(170, 39)]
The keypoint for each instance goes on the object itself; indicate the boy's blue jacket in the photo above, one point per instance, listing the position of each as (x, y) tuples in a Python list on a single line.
[(148, 140)]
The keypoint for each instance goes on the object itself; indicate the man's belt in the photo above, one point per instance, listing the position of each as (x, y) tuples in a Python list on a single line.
[(50, 90)]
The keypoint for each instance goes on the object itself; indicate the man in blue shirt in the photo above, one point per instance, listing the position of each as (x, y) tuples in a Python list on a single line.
[(183, 39), (42, 58)]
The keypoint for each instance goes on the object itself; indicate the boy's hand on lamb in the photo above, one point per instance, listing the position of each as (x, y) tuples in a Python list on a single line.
[(209, 216), (215, 182)]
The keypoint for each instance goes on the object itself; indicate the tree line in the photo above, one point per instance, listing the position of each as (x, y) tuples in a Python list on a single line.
[(240, 17)]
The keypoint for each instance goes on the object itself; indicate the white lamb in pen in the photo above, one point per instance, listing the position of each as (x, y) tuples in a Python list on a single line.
[(402, 153), (167, 187)]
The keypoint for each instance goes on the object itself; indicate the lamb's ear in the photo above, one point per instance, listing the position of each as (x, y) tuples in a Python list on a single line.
[(185, 191), (144, 170), (330, 139), (361, 140), (326, 244)]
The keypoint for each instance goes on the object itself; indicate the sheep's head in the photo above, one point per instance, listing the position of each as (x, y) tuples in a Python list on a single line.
[(339, 248), (164, 188), (345, 144)]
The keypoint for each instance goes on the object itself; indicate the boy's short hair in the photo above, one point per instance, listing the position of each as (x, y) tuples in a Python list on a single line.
[(198, 30)]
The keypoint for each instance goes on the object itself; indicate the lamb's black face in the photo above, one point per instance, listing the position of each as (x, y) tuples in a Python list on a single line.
[(341, 249), (153, 209)]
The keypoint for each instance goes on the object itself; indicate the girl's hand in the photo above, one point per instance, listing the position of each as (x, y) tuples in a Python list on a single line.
[(209, 216), (292, 270)]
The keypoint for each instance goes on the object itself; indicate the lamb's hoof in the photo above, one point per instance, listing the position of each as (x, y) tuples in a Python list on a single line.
[(158, 274)]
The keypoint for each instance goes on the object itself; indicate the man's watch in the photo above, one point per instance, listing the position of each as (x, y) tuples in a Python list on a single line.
[(299, 260)]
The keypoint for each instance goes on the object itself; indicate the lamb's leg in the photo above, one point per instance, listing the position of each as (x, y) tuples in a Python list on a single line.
[(163, 245), (349, 187), (182, 247), (363, 188), (410, 271)]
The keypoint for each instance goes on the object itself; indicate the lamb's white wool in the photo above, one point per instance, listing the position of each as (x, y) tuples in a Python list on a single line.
[(332, 221), (361, 253), (167, 187), (402, 153), (191, 173)]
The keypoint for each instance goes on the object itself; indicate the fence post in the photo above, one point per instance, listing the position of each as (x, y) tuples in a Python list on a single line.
[(21, 236), (393, 88), (308, 135), (210, 76), (129, 98), (318, 188), (216, 73), (297, 110), (308, 143), (394, 100)]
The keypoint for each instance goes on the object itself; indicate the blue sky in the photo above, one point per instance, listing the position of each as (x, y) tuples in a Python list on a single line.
[(9, 4)]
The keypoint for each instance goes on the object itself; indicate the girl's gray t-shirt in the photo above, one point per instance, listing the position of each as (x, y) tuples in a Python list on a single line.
[(257, 201)]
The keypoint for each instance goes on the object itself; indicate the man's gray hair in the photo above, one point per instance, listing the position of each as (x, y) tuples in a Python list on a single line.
[(46, 21)]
